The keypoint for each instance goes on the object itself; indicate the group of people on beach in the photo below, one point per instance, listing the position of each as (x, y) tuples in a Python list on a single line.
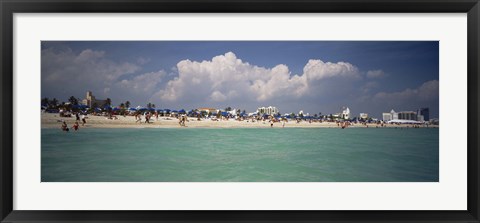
[(66, 129), (76, 125), (148, 116)]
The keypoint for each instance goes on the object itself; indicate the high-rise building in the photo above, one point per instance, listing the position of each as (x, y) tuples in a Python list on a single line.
[(407, 115), (390, 116), (425, 113), (91, 101), (346, 113), (387, 116)]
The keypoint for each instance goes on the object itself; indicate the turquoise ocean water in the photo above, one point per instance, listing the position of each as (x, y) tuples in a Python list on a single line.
[(240, 155)]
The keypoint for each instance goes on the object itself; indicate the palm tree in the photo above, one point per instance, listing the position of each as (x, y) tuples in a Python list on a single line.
[(122, 105), (127, 104), (108, 101), (54, 102), (73, 100), (45, 101)]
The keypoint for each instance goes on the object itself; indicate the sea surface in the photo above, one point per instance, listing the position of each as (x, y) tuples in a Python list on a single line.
[(241, 155)]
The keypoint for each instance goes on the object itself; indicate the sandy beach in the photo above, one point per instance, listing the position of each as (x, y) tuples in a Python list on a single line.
[(53, 120)]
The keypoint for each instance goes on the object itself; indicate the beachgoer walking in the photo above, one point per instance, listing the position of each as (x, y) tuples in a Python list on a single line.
[(83, 119), (139, 119), (147, 118)]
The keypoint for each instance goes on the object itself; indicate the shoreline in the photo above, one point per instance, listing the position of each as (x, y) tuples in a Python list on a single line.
[(53, 120)]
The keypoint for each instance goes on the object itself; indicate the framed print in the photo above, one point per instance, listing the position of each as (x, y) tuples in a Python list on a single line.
[(239, 111)]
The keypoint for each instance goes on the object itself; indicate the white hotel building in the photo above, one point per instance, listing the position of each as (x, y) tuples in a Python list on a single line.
[(270, 110)]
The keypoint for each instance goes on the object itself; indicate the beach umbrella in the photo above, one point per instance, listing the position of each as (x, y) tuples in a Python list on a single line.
[(159, 110), (224, 113), (181, 111), (132, 109)]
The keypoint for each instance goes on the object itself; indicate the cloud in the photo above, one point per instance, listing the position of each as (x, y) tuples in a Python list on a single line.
[(87, 68), (317, 69), (226, 77), (369, 86), (146, 82), (375, 74), (67, 73), (427, 91), (143, 61)]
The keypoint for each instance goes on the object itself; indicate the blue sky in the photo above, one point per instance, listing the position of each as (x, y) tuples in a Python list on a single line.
[(313, 76)]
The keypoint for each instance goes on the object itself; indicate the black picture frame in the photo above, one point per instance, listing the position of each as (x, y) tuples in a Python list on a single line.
[(9, 7)]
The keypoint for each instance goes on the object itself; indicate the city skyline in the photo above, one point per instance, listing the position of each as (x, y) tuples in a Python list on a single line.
[(313, 76)]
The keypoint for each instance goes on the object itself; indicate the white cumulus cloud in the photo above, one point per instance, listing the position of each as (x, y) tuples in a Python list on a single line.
[(226, 77)]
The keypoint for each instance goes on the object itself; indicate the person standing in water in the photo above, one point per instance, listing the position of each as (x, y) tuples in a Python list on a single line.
[(75, 126), (64, 127)]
